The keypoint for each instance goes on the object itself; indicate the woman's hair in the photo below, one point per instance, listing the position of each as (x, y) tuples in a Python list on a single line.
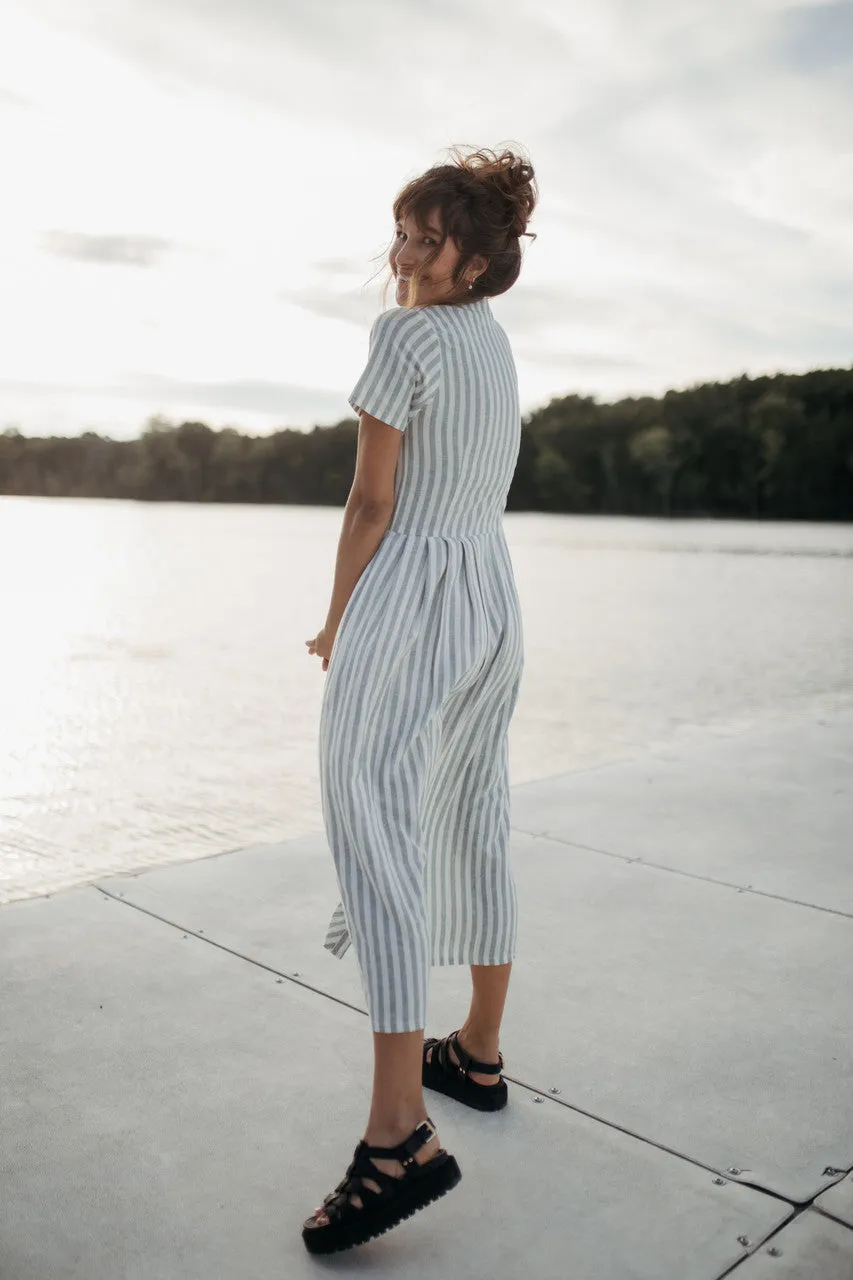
[(485, 199)]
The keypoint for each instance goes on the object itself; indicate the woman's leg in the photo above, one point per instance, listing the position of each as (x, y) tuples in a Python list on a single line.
[(479, 1035), (397, 1106)]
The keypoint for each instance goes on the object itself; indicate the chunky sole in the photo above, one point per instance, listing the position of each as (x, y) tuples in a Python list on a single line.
[(443, 1173), (482, 1097)]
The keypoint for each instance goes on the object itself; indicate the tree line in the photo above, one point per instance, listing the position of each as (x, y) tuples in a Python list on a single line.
[(776, 447)]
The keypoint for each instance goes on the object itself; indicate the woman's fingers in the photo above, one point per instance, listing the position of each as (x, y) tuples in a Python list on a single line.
[(312, 648)]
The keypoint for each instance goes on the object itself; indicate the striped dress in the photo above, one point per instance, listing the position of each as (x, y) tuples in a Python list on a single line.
[(425, 670)]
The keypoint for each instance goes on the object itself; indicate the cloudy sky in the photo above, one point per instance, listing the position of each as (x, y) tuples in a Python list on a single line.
[(197, 194)]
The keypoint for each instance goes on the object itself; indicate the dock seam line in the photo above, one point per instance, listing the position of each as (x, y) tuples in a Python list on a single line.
[(679, 871)]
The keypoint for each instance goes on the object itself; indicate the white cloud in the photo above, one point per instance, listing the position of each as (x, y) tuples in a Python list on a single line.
[(200, 189)]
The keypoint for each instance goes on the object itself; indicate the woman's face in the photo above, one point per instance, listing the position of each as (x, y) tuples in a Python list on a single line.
[(411, 246)]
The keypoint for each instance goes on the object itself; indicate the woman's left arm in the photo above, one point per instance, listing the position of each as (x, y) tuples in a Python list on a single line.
[(364, 527), (367, 515)]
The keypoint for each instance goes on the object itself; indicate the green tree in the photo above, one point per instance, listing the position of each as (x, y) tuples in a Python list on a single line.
[(776, 447)]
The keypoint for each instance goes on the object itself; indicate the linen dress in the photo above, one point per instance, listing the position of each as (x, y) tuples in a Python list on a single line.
[(425, 670)]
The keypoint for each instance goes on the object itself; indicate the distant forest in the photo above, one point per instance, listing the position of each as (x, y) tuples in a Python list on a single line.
[(777, 448)]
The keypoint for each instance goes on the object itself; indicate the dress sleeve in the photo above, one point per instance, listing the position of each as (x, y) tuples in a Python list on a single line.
[(401, 374)]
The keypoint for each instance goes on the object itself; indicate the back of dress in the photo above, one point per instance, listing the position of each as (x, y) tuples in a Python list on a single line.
[(445, 376), (426, 668)]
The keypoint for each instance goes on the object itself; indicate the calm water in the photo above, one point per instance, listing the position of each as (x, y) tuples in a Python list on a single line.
[(157, 701)]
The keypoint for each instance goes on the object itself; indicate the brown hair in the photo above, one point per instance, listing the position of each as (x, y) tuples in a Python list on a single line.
[(486, 199)]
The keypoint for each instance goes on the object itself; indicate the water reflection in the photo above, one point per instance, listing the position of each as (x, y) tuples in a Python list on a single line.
[(157, 702)]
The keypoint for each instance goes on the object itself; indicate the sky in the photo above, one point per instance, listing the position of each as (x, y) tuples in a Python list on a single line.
[(198, 195)]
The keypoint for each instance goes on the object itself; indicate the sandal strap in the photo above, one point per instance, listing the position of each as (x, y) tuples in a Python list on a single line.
[(338, 1203), (467, 1063), (405, 1150)]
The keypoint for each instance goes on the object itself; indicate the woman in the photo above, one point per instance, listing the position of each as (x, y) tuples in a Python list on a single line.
[(423, 645)]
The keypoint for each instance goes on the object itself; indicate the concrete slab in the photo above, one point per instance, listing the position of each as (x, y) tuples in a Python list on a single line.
[(706, 1020), (837, 1201), (712, 1022), (271, 902), (810, 1248), (174, 1111), (772, 810)]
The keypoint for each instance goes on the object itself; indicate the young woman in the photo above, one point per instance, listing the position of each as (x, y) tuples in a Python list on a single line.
[(424, 649)]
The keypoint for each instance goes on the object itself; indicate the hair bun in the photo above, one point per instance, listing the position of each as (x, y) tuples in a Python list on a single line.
[(484, 200), (509, 173)]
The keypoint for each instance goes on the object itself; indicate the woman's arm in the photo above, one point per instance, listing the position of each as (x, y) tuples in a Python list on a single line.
[(363, 529), (368, 511)]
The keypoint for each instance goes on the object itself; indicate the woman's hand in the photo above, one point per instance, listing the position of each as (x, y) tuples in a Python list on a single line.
[(322, 645)]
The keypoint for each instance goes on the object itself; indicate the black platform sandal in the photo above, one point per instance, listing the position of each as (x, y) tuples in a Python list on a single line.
[(442, 1074), (398, 1198)]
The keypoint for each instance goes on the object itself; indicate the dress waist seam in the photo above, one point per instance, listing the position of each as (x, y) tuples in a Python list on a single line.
[(473, 533)]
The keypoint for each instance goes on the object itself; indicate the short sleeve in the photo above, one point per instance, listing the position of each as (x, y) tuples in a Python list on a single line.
[(401, 374)]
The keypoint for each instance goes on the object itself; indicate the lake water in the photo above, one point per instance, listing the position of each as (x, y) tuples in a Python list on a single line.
[(158, 703)]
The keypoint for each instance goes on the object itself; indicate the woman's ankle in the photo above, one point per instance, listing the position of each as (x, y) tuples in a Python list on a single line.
[(388, 1131), (479, 1040)]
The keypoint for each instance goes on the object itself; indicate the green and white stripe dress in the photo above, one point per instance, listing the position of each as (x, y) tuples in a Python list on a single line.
[(425, 671)]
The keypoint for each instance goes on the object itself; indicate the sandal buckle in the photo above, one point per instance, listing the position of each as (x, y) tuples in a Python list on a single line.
[(424, 1124)]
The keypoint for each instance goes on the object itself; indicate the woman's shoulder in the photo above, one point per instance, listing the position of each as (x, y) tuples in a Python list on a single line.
[(408, 328), (404, 320)]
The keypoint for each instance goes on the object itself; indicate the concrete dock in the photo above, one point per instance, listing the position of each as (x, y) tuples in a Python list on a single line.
[(185, 1071)]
